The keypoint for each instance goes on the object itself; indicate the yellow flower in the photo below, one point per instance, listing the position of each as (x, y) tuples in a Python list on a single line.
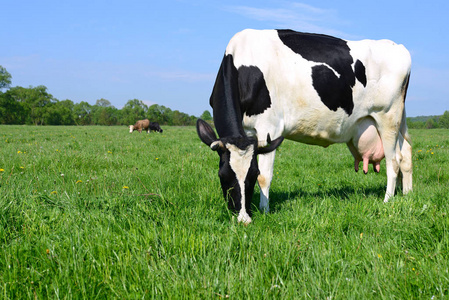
[(157, 158), (109, 152), (125, 187), (2, 170), (18, 152), (379, 256), (22, 168), (431, 152), (79, 181), (54, 192), (361, 235)]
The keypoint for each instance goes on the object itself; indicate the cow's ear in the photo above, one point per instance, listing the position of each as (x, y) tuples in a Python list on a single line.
[(272, 145), (205, 132)]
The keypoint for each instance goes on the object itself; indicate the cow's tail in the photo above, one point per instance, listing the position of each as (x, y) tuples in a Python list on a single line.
[(405, 149), (404, 128)]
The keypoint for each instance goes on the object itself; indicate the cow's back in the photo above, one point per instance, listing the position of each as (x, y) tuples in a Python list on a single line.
[(318, 97)]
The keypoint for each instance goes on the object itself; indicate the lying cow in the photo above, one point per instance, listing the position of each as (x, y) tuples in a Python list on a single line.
[(310, 88), (154, 126), (140, 125)]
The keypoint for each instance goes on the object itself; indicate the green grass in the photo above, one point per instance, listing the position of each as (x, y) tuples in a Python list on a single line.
[(96, 212)]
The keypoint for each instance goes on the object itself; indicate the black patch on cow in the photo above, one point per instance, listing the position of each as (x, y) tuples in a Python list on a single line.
[(225, 102), (254, 94), (237, 92), (360, 72), (334, 91)]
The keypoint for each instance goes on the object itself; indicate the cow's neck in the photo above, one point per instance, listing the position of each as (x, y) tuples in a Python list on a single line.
[(225, 102)]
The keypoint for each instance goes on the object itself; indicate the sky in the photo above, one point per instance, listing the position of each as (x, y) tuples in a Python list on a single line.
[(168, 52)]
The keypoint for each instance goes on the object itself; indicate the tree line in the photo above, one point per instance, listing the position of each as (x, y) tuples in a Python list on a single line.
[(36, 106), (429, 122)]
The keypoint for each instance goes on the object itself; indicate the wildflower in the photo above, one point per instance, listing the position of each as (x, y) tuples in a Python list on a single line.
[(379, 256), (361, 235), (125, 187), (18, 152), (110, 152), (419, 151), (431, 152), (157, 158), (2, 170), (22, 167), (47, 251), (54, 192), (62, 175), (78, 181)]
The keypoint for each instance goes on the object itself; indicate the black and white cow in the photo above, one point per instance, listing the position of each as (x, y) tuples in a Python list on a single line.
[(310, 88)]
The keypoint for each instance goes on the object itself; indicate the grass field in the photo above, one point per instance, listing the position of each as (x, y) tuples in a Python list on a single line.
[(96, 212)]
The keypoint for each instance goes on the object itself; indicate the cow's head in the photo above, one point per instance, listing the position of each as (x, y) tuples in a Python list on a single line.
[(131, 128), (238, 169)]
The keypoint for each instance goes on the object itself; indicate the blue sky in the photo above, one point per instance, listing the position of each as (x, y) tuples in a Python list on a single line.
[(168, 52)]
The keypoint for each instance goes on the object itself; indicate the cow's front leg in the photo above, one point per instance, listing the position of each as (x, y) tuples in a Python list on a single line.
[(266, 162)]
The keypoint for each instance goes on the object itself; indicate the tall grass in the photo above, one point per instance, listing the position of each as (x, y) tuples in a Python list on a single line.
[(96, 212)]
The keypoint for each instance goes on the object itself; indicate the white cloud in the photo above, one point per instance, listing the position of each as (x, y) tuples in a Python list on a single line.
[(297, 16)]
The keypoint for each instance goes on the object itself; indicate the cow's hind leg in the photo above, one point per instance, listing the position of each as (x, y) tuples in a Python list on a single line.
[(266, 162), (404, 154), (388, 128)]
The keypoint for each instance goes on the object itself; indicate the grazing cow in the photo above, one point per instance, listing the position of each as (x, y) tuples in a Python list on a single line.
[(140, 125), (310, 88), (154, 126)]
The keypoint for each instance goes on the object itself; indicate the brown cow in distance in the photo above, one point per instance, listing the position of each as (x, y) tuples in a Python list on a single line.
[(140, 125)]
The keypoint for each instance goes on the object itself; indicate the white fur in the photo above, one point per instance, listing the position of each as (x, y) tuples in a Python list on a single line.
[(240, 161)]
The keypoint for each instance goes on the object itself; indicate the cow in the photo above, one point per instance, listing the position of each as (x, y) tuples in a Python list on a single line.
[(140, 125), (310, 88), (154, 126)]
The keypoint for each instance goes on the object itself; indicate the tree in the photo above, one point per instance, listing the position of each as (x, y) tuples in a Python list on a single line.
[(60, 113), (35, 100), (81, 113), (11, 111), (443, 122), (134, 110), (431, 123), (5, 78), (103, 103), (206, 116)]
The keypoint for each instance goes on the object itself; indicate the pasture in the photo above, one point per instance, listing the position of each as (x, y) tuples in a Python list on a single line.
[(97, 212)]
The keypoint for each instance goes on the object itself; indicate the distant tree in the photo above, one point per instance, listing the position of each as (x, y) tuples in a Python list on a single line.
[(36, 100), (105, 115), (11, 110), (161, 114), (81, 113), (443, 121), (133, 110), (60, 113), (5, 78), (431, 123), (206, 116), (103, 103)]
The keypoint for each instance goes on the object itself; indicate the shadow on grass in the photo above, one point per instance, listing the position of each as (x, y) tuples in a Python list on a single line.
[(342, 193)]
